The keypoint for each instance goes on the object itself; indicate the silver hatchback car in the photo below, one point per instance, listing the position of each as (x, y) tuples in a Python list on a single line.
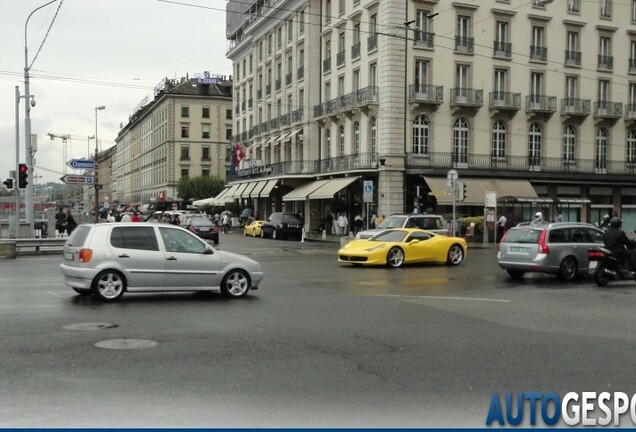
[(555, 248), (109, 259)]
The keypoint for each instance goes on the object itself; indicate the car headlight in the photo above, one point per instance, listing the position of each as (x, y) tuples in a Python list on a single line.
[(371, 249)]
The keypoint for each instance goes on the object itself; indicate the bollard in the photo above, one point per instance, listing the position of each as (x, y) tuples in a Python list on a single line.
[(302, 236)]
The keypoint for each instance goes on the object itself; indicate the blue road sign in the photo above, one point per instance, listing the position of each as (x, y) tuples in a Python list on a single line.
[(81, 164)]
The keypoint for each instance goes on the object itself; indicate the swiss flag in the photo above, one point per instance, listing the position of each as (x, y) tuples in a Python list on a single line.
[(239, 155)]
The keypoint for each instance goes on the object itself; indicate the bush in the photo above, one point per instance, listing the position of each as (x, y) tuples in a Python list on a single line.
[(479, 224)]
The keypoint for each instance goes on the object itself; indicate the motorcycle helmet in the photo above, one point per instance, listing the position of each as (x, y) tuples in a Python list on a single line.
[(616, 222), (538, 216)]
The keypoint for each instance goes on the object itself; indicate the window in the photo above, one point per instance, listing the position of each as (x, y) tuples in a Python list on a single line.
[(374, 136), (421, 75), (537, 49), (341, 7), (185, 172), (460, 141), (502, 47), (633, 11), (279, 38), (290, 30), (603, 94), (420, 135), (631, 100), (185, 152), (356, 138), (185, 111), (373, 74), (601, 150), (181, 241), (605, 53), (573, 6), (142, 238), (205, 153), (606, 8), (205, 172), (205, 112), (573, 52), (631, 146), (228, 133), (501, 84), (328, 143), (342, 140), (228, 114), (463, 41), (301, 22), (185, 130), (355, 80), (499, 139), (534, 146), (205, 131), (536, 88), (569, 143), (328, 11)]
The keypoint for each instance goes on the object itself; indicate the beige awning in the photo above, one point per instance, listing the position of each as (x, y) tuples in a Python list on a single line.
[(248, 189), (268, 188), (257, 189), (332, 187), (211, 200), (239, 191), (301, 192), (476, 189), (229, 196), (291, 135)]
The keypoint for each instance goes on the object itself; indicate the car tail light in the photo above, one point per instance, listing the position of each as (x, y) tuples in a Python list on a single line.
[(543, 248), (595, 255), (215, 229), (85, 255), (191, 228)]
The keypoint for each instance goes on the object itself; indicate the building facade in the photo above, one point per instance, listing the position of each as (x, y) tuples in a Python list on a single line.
[(402, 92), (184, 131)]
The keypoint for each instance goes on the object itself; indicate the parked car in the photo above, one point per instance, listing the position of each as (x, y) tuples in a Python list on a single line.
[(558, 248), (399, 246), (283, 225), (109, 259), (203, 227), (253, 229), (429, 222)]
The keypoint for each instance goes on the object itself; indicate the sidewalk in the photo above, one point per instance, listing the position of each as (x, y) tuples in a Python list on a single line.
[(338, 239)]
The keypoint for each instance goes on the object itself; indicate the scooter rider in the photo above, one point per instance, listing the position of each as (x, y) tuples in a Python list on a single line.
[(619, 244)]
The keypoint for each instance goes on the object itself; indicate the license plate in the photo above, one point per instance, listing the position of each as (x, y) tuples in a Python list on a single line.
[(518, 249), (68, 256), (204, 229), (593, 264), (293, 226)]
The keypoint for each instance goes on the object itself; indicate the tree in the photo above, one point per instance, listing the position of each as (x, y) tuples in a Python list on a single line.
[(194, 188)]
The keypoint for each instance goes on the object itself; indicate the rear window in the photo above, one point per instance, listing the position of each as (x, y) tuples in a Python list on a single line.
[(201, 222), (78, 237), (292, 219), (522, 235)]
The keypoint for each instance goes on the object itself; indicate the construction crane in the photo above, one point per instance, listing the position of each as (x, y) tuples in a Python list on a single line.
[(66, 138)]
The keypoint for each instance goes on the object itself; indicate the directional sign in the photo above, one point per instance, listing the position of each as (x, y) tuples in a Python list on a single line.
[(98, 186), (77, 179), (81, 163)]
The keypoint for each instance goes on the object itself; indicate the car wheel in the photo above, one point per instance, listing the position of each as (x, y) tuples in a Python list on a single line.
[(395, 257), (515, 274), (235, 284), (109, 285), (455, 255), (600, 277), (82, 291), (568, 269)]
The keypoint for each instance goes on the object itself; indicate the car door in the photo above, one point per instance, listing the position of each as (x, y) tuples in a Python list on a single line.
[(593, 238), (189, 261), (136, 250), (419, 251)]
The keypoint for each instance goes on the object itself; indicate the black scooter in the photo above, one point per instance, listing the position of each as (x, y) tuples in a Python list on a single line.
[(605, 267)]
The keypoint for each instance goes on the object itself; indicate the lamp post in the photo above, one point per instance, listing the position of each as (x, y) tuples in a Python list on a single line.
[(96, 181)]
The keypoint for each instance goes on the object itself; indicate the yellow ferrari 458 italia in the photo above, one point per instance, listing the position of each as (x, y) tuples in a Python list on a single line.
[(403, 246), (253, 229)]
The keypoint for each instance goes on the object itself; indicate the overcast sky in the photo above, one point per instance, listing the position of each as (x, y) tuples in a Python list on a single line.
[(98, 52)]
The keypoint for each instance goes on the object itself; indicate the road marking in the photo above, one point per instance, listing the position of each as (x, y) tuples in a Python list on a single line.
[(444, 298)]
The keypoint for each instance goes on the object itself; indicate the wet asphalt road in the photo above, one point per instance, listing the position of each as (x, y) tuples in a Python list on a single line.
[(318, 345)]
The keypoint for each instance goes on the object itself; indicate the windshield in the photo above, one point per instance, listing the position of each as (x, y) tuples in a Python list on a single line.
[(389, 236), (393, 222)]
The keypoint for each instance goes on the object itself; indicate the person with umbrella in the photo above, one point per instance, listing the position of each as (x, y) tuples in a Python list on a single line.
[(246, 213)]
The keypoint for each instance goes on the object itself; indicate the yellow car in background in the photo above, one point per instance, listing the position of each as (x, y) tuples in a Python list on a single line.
[(253, 229), (396, 247)]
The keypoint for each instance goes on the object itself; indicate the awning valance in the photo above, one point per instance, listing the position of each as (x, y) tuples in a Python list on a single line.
[(267, 189), (476, 189), (333, 186), (301, 192)]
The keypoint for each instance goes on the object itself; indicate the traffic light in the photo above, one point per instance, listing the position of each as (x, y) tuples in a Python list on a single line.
[(23, 175), (8, 183), (461, 191), (465, 191)]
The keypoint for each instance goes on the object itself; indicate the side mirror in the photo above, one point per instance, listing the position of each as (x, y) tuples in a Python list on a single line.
[(209, 251)]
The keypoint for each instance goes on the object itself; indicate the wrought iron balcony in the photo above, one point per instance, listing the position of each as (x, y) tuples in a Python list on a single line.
[(326, 65), (541, 104), (424, 39), (355, 51), (340, 58), (284, 120), (632, 65), (273, 123), (505, 101), (263, 127), (573, 58), (502, 49), (297, 115), (356, 99), (347, 163), (466, 97), (608, 110), (426, 94), (372, 43), (630, 111), (575, 107), (605, 62), (538, 53), (464, 44), (300, 73)]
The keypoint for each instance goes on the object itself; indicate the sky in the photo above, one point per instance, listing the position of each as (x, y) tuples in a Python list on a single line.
[(97, 52)]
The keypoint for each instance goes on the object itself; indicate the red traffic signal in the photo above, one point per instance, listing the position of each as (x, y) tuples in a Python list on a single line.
[(23, 175)]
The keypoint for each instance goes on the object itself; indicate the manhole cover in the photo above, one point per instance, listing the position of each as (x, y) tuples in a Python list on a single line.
[(90, 326), (125, 344)]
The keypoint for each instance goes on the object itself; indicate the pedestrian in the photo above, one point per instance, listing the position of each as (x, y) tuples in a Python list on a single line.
[(60, 223), (342, 223), (111, 217), (501, 227), (378, 220), (225, 222), (135, 217), (559, 216), (328, 223), (126, 217), (372, 221), (70, 222), (358, 224), (165, 217)]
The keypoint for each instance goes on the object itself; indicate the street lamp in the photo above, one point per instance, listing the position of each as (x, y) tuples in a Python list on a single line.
[(95, 181)]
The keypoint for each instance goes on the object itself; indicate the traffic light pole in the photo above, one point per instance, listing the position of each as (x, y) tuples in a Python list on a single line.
[(17, 160)]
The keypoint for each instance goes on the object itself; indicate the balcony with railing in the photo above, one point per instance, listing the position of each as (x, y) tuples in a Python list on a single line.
[(505, 101), (424, 39), (254, 131), (466, 97), (464, 44), (605, 62), (273, 124), (340, 58), (541, 104), (630, 112), (274, 169), (538, 53), (263, 127), (288, 79), (357, 99), (347, 163), (326, 65), (372, 43), (284, 120), (574, 107), (300, 73), (632, 66), (426, 94), (572, 58), (355, 51), (502, 49), (607, 110)]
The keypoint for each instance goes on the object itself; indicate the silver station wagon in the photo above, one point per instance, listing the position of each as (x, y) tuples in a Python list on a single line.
[(556, 248), (109, 259)]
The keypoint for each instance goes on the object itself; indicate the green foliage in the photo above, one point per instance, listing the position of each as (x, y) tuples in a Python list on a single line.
[(194, 188), (479, 224)]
